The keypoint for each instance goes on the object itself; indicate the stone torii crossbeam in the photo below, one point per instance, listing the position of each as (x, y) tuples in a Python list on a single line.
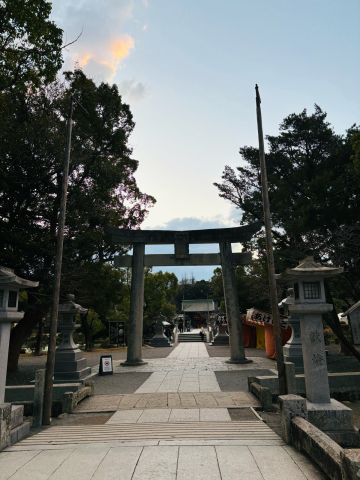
[(182, 239)]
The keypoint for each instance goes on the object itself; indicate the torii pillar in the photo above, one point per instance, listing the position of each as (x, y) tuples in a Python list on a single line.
[(181, 257)]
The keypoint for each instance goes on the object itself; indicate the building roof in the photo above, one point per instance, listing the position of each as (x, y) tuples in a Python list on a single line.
[(205, 305)]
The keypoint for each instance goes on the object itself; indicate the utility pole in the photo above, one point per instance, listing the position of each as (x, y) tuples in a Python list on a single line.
[(50, 362), (270, 252)]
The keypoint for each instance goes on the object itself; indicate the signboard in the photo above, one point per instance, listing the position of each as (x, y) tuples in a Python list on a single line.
[(355, 325), (258, 317), (117, 333), (106, 365)]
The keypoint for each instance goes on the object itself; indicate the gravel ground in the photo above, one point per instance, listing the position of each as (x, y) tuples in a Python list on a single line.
[(242, 415), (28, 364), (237, 380), (119, 383), (224, 351)]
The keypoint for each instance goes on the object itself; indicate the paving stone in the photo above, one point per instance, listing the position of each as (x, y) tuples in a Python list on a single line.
[(154, 415), (198, 463), (223, 399), (125, 416), (157, 400), (214, 415), (204, 400), (120, 459), (129, 401), (184, 415), (237, 463), (11, 464), (174, 400), (157, 463), (42, 466), (275, 463), (309, 468), (187, 400), (84, 462)]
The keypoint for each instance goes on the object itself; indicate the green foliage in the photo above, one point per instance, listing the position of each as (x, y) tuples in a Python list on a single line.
[(30, 44), (355, 143), (314, 193), (160, 288)]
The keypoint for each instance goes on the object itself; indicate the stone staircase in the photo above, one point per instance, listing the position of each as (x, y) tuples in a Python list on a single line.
[(189, 337)]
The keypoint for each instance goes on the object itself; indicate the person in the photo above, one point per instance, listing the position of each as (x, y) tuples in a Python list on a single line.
[(202, 334), (181, 326)]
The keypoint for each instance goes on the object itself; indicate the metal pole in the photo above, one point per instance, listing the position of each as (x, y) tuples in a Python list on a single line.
[(50, 363), (270, 253)]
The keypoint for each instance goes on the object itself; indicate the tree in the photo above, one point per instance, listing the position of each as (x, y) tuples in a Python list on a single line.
[(314, 196), (159, 289), (102, 188), (30, 44)]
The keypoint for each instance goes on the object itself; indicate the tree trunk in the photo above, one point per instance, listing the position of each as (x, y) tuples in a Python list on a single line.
[(38, 348), (89, 343), (23, 330)]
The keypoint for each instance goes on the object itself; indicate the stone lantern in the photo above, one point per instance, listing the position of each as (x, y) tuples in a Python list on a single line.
[(70, 366), (293, 348), (160, 339), (10, 285), (327, 414)]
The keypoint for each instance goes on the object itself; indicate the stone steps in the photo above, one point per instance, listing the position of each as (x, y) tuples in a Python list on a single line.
[(189, 337), (248, 431)]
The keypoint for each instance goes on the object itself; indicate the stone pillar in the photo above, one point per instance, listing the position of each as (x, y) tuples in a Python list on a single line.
[(5, 328), (135, 328), (315, 366), (237, 352), (38, 398)]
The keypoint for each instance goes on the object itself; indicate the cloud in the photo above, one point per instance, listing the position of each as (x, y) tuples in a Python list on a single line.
[(144, 28), (133, 92), (103, 44), (195, 223)]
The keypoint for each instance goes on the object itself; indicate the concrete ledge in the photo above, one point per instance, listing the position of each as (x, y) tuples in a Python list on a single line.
[(263, 394), (351, 463), (25, 393), (343, 386), (19, 432), (17, 415), (324, 451), (71, 399)]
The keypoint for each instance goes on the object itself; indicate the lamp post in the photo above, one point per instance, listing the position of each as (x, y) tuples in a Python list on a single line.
[(10, 285)]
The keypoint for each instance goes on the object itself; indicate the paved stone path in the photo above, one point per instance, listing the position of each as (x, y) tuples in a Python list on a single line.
[(160, 460), (111, 403), (175, 427)]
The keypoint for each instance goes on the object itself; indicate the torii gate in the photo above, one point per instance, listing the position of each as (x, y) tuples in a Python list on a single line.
[(181, 239)]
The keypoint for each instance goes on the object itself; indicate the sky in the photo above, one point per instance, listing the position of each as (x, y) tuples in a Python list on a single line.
[(188, 69)]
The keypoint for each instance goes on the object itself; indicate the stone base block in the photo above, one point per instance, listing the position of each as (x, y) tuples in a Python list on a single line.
[(69, 365), (64, 379), (133, 364), (297, 361), (220, 340), (336, 420), (350, 460), (291, 406), (68, 355), (160, 342), (17, 415), (19, 432), (5, 425), (244, 360)]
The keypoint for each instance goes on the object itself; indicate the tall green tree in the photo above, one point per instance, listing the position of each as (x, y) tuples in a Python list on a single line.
[(102, 187), (314, 193), (30, 44)]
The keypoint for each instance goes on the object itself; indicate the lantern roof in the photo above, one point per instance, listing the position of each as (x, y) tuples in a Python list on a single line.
[(69, 306), (8, 277), (308, 268)]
